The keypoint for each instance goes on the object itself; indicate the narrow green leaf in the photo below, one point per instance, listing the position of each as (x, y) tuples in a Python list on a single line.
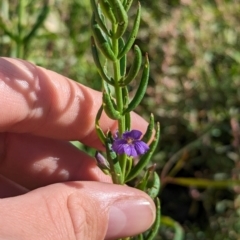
[(125, 96), (179, 234), (133, 34), (123, 60), (107, 10), (137, 62), (127, 4), (98, 18), (115, 168), (142, 184), (99, 131), (167, 221), (109, 141), (150, 130), (98, 64), (6, 31), (203, 183), (128, 165), (144, 160), (102, 41), (141, 88), (127, 116), (109, 107), (138, 237), (155, 186), (155, 227), (128, 121), (41, 18), (121, 17), (124, 2)]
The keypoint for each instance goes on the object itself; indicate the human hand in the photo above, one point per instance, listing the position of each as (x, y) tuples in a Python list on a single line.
[(59, 191)]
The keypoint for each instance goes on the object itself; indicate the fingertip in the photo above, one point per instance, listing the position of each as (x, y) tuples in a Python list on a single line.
[(130, 217)]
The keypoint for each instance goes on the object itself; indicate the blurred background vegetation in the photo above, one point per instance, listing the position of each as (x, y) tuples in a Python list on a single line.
[(194, 91)]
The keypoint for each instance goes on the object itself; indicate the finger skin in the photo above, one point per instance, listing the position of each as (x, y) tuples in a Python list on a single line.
[(73, 210), (38, 101), (38, 105), (9, 188), (33, 161), (35, 103)]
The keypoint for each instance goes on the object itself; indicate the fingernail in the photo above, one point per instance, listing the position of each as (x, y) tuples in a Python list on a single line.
[(129, 217)]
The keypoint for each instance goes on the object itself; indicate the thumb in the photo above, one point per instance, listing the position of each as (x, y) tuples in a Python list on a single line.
[(76, 210)]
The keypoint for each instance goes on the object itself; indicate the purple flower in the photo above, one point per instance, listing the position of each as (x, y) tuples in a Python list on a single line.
[(130, 144)]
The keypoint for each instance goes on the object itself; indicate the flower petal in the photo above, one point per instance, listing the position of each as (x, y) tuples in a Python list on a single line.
[(127, 150), (134, 134), (141, 147), (126, 134), (119, 146), (131, 151)]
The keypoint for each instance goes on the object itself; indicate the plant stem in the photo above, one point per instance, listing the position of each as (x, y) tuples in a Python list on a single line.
[(119, 101), (19, 42), (118, 90)]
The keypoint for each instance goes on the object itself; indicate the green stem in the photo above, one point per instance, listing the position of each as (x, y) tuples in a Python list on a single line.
[(119, 100), (19, 42), (118, 90)]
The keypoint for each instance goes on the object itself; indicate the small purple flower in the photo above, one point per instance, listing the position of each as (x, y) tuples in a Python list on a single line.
[(130, 144)]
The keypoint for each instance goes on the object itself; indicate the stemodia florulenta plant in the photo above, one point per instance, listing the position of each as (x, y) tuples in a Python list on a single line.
[(128, 153)]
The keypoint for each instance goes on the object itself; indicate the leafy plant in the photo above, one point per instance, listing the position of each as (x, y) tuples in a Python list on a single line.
[(109, 24)]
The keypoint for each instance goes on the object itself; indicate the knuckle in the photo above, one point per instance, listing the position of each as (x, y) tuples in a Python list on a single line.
[(88, 221), (57, 217)]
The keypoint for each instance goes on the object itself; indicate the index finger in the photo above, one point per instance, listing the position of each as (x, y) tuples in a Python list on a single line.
[(41, 102)]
